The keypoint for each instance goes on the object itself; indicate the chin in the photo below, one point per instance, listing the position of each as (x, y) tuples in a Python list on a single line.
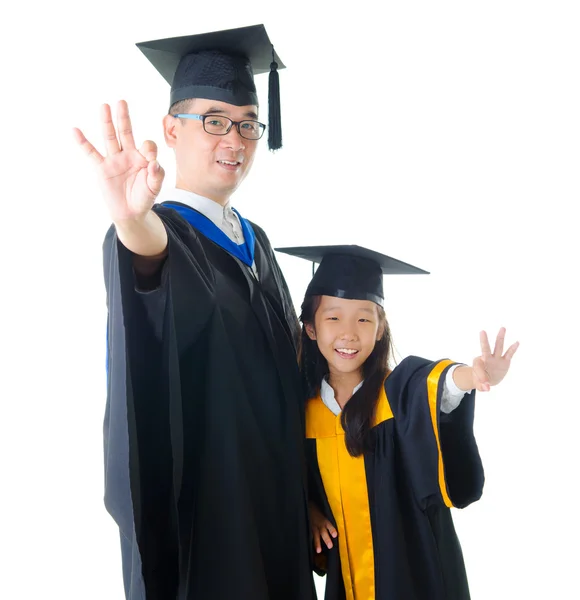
[(347, 368), (225, 188), (235, 175)]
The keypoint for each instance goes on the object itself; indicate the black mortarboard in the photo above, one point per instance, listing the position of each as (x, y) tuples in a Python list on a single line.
[(221, 66), (350, 272)]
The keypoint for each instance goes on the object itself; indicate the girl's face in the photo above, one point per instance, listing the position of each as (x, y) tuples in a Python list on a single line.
[(346, 332)]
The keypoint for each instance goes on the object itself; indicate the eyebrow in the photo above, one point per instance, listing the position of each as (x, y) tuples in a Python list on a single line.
[(338, 308), (216, 110)]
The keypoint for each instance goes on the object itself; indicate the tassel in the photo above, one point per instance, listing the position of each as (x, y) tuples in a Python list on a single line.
[(274, 117)]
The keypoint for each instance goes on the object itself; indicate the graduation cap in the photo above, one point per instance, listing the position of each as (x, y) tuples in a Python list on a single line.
[(221, 65), (351, 272)]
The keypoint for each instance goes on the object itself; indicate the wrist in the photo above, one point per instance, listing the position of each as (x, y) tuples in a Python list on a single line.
[(144, 235), (132, 224), (463, 378)]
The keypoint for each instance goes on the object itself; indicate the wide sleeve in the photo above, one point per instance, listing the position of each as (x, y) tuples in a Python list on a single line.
[(439, 452), (143, 426)]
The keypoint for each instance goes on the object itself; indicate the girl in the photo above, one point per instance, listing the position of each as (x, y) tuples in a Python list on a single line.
[(389, 451)]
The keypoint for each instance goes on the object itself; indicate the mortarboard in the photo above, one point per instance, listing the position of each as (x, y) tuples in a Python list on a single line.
[(221, 65), (351, 272)]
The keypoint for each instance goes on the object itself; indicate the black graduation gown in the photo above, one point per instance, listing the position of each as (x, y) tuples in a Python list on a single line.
[(396, 539), (204, 425)]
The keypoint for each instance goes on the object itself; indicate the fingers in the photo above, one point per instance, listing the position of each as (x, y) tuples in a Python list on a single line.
[(511, 351), (328, 528), (324, 532), (155, 176), (87, 147), (331, 529), (326, 538), (149, 150), (316, 540), (109, 134), (485, 347), (481, 376), (124, 126), (499, 341)]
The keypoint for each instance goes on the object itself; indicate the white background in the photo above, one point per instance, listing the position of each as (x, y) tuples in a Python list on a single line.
[(445, 134)]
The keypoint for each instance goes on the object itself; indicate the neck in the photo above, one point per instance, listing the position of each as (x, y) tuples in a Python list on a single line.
[(221, 199), (343, 384)]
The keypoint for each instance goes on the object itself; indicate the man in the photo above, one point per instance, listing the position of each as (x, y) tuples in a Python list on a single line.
[(204, 418)]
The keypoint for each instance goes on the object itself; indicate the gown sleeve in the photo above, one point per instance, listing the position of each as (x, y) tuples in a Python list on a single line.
[(143, 434), (438, 450)]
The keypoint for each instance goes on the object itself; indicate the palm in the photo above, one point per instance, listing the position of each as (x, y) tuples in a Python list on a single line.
[(123, 179), (127, 176), (490, 368)]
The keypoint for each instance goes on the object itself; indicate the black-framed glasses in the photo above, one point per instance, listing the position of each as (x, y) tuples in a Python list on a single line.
[(220, 125)]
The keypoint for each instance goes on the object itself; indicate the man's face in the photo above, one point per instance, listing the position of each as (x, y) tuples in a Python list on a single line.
[(204, 161)]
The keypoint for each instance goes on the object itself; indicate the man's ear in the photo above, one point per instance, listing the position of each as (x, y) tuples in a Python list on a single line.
[(310, 332), (170, 125)]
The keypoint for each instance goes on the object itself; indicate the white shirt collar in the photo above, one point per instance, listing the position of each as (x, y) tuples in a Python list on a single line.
[(212, 210), (327, 395)]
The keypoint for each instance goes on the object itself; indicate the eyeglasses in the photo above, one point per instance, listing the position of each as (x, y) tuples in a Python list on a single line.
[(219, 125)]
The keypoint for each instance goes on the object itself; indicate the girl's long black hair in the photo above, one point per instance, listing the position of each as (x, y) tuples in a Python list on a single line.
[(358, 413)]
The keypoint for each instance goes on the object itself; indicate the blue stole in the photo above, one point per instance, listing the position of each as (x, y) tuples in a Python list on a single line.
[(245, 251)]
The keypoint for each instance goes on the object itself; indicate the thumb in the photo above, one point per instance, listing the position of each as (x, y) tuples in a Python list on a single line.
[(481, 378), (155, 176)]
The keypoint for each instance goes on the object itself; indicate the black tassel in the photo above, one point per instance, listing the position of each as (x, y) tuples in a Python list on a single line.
[(274, 117)]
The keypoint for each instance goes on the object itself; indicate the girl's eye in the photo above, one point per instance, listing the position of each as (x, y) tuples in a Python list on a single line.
[(333, 318), (364, 320)]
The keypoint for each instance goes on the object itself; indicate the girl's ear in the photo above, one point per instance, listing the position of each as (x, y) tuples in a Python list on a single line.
[(310, 331), (381, 330)]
